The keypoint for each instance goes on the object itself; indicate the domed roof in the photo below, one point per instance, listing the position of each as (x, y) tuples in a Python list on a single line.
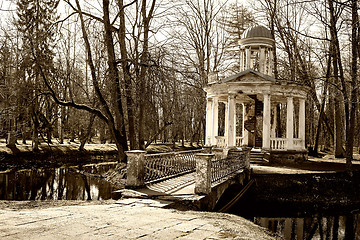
[(256, 31)]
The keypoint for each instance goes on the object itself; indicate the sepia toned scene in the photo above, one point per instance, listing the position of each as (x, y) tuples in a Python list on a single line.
[(178, 119)]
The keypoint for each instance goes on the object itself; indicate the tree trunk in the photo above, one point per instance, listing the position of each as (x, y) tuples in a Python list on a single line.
[(126, 75), (339, 78), (143, 70), (353, 94), (339, 130), (118, 132), (87, 133), (35, 135), (61, 124), (316, 144), (272, 30)]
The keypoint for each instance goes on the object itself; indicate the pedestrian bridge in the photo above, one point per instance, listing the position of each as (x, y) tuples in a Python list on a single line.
[(196, 178)]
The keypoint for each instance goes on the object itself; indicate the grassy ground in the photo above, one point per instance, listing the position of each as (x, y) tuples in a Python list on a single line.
[(95, 146)]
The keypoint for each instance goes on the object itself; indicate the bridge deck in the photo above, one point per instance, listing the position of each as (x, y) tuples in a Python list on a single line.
[(177, 186)]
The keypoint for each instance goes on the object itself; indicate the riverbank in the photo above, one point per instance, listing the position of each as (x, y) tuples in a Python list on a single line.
[(56, 155), (123, 219)]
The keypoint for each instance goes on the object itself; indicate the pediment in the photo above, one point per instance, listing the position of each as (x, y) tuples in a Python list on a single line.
[(249, 76)]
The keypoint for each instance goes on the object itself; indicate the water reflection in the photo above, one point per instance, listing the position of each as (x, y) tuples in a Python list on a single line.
[(316, 227), (56, 184)]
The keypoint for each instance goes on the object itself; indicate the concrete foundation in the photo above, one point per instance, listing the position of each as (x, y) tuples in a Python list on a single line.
[(286, 157)]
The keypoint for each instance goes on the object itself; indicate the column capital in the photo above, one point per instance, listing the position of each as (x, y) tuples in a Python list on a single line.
[(231, 95)]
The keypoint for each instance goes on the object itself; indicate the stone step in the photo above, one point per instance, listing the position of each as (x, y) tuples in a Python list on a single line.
[(256, 157)]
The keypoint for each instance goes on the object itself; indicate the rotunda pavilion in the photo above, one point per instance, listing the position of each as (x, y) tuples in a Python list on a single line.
[(259, 110)]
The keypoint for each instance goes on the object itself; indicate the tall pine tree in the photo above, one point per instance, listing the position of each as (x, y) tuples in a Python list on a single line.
[(35, 24)]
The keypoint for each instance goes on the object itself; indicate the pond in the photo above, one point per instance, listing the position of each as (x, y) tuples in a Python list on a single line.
[(65, 183)]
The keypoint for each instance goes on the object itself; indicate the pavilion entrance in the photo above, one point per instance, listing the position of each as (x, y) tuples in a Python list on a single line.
[(254, 122)]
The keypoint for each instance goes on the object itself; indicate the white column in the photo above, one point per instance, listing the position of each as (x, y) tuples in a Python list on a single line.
[(248, 58), (231, 109), (290, 122), (234, 124), (242, 59), (245, 132), (226, 120), (266, 122), (262, 61), (273, 126), (271, 62), (243, 120), (209, 128), (215, 114), (302, 121)]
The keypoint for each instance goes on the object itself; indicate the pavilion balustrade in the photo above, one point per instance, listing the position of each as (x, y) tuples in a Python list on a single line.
[(282, 143), (278, 143), (220, 141), (275, 143), (298, 144), (239, 141)]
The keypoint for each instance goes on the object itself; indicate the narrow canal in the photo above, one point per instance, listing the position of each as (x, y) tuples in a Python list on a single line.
[(64, 183), (305, 206)]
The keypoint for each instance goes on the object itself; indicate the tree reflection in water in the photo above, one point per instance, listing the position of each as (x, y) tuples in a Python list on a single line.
[(56, 184), (316, 227)]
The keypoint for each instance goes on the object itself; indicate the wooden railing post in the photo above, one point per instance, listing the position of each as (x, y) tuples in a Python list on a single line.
[(135, 168), (203, 173)]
